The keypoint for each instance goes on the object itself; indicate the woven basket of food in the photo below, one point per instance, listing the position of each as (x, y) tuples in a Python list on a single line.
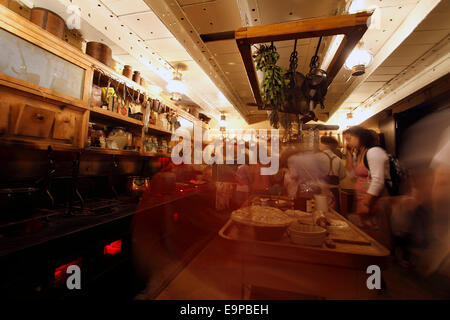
[(267, 223)]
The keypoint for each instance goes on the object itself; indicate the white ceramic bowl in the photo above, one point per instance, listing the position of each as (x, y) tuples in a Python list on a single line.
[(306, 230), (306, 234)]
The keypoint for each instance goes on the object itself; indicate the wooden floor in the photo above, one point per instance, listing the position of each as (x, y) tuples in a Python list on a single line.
[(215, 275)]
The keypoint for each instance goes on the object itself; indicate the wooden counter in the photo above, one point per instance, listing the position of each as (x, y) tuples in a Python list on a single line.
[(334, 273)]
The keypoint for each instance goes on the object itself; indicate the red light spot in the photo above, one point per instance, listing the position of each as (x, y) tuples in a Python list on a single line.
[(175, 217), (61, 272), (113, 248)]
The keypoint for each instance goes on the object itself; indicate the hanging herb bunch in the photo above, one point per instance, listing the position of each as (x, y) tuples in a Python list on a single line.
[(274, 84)]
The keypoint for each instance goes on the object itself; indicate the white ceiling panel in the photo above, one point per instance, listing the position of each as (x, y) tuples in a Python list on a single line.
[(191, 2), (169, 48), (378, 78), (122, 7), (383, 70), (223, 47), (426, 37), (214, 16), (438, 19), (385, 21), (405, 55), (276, 11), (365, 91), (229, 59), (147, 26)]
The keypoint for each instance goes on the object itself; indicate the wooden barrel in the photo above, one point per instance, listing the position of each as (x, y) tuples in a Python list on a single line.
[(100, 51), (137, 77), (128, 71), (48, 20)]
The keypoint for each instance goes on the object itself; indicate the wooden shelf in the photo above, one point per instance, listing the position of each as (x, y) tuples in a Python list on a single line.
[(114, 75), (158, 130), (38, 145), (116, 116), (154, 154), (112, 152)]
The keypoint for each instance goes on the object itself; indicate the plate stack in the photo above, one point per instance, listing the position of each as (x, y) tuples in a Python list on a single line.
[(306, 234)]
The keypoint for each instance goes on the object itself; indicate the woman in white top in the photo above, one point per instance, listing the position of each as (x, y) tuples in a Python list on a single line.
[(370, 181)]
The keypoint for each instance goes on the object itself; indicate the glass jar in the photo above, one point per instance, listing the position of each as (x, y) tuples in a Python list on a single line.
[(155, 145), (117, 138), (305, 195), (90, 134), (98, 136)]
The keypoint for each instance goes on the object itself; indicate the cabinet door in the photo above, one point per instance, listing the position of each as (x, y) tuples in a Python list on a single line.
[(4, 118), (65, 123), (34, 121)]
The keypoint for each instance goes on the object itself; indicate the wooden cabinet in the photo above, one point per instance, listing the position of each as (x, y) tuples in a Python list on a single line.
[(4, 118), (65, 126), (33, 121), (39, 121)]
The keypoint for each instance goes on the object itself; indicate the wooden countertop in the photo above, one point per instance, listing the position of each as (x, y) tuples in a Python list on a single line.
[(352, 255), (61, 226)]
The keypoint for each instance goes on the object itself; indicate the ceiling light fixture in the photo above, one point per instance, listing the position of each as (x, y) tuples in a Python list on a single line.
[(223, 122), (176, 85), (175, 96), (358, 61)]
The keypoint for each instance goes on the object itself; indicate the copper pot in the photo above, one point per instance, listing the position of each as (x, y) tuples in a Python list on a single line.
[(128, 71), (137, 77), (49, 21), (100, 52), (136, 185)]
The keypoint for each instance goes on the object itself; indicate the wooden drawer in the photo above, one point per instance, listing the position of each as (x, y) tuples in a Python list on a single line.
[(65, 126), (4, 118), (34, 121)]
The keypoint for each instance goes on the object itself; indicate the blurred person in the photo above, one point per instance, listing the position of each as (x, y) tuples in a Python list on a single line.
[(332, 165), (441, 207), (304, 169), (347, 184), (426, 153), (242, 190), (370, 180)]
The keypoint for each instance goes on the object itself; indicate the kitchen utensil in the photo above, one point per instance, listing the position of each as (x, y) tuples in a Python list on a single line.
[(147, 115), (137, 185)]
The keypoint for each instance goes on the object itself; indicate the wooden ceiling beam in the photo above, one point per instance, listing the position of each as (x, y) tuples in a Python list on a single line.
[(310, 28), (352, 26)]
